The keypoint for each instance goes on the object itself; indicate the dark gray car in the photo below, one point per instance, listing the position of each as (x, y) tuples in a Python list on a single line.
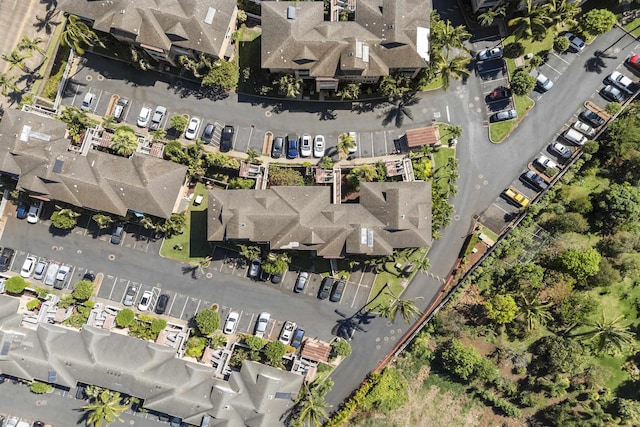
[(116, 236), (207, 133), (336, 292), (325, 288)]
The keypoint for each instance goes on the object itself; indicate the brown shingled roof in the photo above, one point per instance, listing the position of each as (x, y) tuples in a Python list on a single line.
[(422, 136)]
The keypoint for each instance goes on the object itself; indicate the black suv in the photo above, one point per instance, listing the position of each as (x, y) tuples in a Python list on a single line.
[(592, 118), (5, 258), (325, 288), (226, 140), (163, 302)]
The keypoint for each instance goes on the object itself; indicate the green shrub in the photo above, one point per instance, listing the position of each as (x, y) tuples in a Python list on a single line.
[(560, 44), (33, 304), (83, 290), (239, 355), (208, 321), (125, 317), (274, 351), (254, 343), (195, 347), (340, 347), (42, 292), (15, 285), (157, 325), (38, 387)]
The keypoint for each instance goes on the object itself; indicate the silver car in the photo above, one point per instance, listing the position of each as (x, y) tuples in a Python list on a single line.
[(262, 323), (287, 332), (40, 270), (130, 296)]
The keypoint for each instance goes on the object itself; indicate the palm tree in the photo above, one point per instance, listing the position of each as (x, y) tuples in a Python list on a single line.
[(485, 19), (124, 141), (406, 307), (535, 312), (349, 91), (202, 264), (105, 409), (290, 85), (454, 37), (16, 60), (423, 264), (397, 111), (609, 335), (108, 122), (562, 12), (346, 142), (532, 25), (6, 84), (78, 34), (252, 155), (102, 220), (158, 134), (310, 407), (250, 252), (31, 44), (456, 68)]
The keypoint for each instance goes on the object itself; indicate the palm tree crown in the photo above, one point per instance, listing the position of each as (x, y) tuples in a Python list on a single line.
[(105, 409), (78, 34), (609, 335)]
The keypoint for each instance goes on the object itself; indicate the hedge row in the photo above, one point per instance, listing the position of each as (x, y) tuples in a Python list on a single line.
[(356, 400)]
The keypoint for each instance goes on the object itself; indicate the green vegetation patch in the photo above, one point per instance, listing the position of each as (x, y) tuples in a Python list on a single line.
[(499, 131), (193, 241)]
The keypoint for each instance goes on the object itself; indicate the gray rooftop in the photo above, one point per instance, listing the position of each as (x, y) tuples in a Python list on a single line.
[(383, 36), (390, 215), (34, 148), (200, 25), (143, 369)]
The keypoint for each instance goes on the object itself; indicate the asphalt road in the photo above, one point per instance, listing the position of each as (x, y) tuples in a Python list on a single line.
[(485, 170)]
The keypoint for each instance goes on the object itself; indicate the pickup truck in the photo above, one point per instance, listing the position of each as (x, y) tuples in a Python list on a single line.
[(517, 197)]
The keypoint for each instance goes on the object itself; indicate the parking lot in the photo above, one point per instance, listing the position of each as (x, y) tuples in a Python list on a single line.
[(503, 210), (247, 136)]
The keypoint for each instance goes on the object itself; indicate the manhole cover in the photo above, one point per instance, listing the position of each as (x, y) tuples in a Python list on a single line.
[(111, 257), (41, 402), (209, 275), (55, 248), (100, 77), (89, 78), (267, 113)]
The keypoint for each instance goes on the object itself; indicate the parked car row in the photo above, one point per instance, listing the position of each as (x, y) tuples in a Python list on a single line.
[(30, 211), (17, 422), (294, 146), (146, 300)]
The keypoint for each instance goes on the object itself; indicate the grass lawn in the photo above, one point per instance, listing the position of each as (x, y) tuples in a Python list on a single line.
[(194, 242), (499, 131), (389, 275), (584, 187), (441, 155), (531, 46), (433, 85), (490, 234), (633, 27), (249, 58), (246, 34)]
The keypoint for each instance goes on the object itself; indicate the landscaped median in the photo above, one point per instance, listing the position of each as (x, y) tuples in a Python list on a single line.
[(499, 131)]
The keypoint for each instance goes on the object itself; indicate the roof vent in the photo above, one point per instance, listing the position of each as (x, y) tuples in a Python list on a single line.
[(291, 12), (211, 12)]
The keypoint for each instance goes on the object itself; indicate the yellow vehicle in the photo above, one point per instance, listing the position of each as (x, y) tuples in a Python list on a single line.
[(517, 197)]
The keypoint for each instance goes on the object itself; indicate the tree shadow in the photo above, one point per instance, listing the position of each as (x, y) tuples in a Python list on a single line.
[(327, 115), (596, 63), (399, 109), (47, 23)]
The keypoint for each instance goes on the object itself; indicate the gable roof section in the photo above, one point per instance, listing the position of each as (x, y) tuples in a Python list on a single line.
[(387, 28), (145, 370), (34, 148), (392, 215), (160, 23)]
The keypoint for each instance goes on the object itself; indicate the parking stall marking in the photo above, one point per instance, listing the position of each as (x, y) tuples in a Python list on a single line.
[(498, 206), (560, 58)]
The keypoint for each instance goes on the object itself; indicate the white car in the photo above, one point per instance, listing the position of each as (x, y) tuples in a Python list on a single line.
[(231, 323), (34, 213), (584, 128), (61, 277), (492, 53), (262, 323), (621, 81), (546, 162), (192, 129), (353, 148), (305, 145), (143, 117), (287, 332), (28, 266), (145, 301), (318, 146), (561, 149), (575, 43)]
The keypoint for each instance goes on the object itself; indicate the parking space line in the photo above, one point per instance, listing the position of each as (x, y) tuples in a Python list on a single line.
[(560, 58), (98, 100), (198, 306), (496, 205), (186, 301), (553, 69), (115, 280), (173, 300), (373, 150), (386, 150), (448, 115), (251, 322)]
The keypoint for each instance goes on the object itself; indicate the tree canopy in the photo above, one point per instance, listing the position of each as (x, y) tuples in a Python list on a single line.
[(597, 21), (522, 82), (83, 290), (579, 263), (208, 321), (502, 309)]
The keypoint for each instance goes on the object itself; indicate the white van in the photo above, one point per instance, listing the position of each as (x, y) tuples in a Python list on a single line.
[(52, 272), (575, 137), (87, 102), (543, 82)]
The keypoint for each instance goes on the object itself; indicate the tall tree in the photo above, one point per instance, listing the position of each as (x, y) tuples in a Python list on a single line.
[(609, 335), (290, 85), (78, 35), (563, 12), (455, 67), (7, 84), (346, 142), (31, 44), (447, 36), (250, 252), (349, 91), (124, 141), (310, 409), (406, 307), (534, 311), (15, 59), (106, 409), (487, 18), (532, 25)]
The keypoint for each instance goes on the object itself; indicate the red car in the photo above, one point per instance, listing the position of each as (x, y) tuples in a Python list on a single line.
[(634, 62), (498, 94)]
